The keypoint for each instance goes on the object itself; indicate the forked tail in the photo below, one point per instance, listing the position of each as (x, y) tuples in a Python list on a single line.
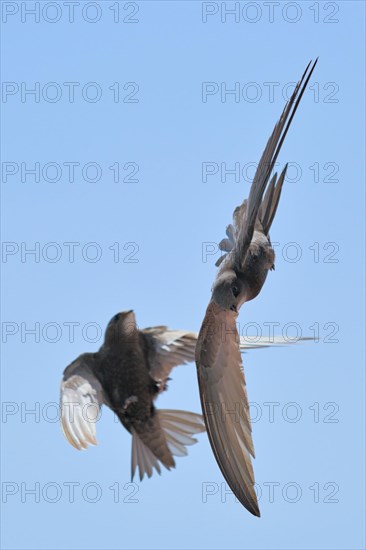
[(168, 433)]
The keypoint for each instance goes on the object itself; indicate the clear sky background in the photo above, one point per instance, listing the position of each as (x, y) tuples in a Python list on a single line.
[(310, 472)]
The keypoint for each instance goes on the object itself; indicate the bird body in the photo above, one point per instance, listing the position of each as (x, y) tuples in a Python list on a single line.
[(242, 273), (124, 374), (127, 374)]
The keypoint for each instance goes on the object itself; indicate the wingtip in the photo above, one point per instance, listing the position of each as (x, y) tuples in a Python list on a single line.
[(307, 67), (255, 510), (250, 505), (253, 507), (311, 62)]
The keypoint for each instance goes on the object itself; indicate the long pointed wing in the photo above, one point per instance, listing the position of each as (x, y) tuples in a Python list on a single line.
[(245, 216), (247, 343), (171, 348), (225, 403), (81, 398)]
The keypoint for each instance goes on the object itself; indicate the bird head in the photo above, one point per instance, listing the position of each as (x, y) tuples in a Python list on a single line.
[(226, 290), (121, 328)]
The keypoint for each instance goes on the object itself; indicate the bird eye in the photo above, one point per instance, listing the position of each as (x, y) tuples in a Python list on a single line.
[(235, 290)]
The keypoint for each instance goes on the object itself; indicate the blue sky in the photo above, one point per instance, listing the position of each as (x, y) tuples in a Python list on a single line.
[(138, 103)]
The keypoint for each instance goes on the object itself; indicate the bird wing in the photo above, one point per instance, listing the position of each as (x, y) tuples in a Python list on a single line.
[(177, 347), (81, 398), (168, 349), (247, 342), (240, 234), (225, 402)]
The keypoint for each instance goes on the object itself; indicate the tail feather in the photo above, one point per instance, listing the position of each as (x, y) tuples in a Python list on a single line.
[(143, 458), (179, 427), (172, 428), (175, 447)]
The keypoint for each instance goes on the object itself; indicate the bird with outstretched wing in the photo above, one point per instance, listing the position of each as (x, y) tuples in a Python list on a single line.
[(242, 272)]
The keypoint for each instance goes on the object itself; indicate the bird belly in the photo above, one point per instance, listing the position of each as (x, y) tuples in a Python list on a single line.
[(129, 388), (259, 261)]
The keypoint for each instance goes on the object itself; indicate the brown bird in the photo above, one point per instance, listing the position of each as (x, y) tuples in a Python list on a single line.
[(127, 374), (242, 273)]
